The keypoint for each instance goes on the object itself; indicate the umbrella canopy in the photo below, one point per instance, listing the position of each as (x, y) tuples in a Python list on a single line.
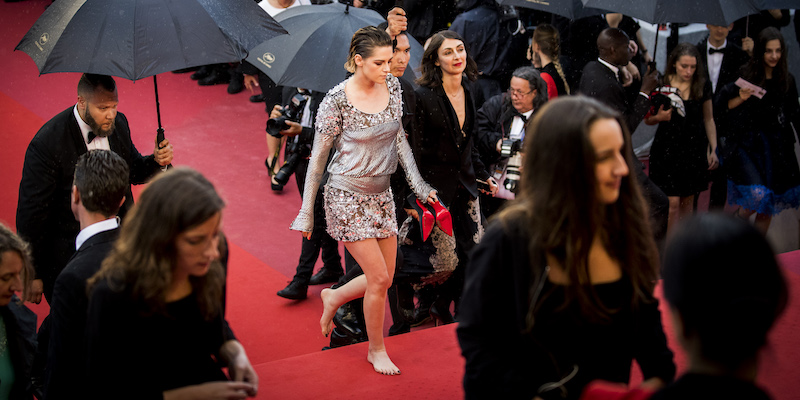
[(312, 56), (135, 39), (572, 9), (714, 12)]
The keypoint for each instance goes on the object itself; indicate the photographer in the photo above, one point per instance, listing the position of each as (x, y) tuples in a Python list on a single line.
[(300, 112), (501, 127)]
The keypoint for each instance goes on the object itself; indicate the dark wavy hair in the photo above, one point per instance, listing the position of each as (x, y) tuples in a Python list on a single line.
[(430, 74), (721, 276), (558, 202), (535, 81), (754, 72), (143, 259), (699, 77)]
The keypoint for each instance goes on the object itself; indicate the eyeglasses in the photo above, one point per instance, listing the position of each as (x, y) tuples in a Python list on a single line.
[(518, 93)]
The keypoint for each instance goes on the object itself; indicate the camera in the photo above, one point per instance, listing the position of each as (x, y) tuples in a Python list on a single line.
[(511, 149), (291, 112), (296, 151)]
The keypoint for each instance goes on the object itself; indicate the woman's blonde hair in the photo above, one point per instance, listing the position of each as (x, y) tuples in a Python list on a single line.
[(9, 241), (546, 36), (364, 42)]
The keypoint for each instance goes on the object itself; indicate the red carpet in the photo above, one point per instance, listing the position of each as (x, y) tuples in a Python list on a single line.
[(223, 136)]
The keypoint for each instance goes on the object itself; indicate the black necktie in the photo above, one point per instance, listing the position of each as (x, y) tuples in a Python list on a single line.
[(91, 137), (712, 50)]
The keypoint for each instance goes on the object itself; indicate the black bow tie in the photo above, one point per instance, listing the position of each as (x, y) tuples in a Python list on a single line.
[(524, 118), (91, 137), (712, 50)]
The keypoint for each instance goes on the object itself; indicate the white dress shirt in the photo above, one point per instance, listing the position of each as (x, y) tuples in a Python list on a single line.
[(714, 63)]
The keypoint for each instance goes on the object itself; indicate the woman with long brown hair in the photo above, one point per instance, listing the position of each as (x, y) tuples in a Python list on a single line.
[(560, 290), (544, 53), (156, 323), (763, 174), (685, 146)]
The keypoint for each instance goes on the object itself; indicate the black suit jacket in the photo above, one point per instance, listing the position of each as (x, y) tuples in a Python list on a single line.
[(44, 217), (434, 141), (732, 61), (494, 121), (599, 82), (66, 357)]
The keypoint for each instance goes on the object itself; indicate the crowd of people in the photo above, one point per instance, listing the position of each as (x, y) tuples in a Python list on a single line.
[(520, 212)]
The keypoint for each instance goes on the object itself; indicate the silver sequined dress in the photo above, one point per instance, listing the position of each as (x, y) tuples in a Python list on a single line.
[(358, 200)]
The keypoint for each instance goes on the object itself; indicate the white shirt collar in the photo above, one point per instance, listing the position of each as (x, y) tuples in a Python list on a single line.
[(94, 229), (85, 129), (613, 68)]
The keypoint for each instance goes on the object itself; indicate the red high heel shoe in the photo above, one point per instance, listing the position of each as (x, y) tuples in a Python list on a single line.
[(426, 218), (443, 219)]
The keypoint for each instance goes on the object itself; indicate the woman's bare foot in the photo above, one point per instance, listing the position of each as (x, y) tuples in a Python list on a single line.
[(382, 363), (328, 311)]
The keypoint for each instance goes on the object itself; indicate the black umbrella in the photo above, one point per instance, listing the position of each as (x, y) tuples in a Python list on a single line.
[(714, 12), (572, 9), (313, 55), (135, 39)]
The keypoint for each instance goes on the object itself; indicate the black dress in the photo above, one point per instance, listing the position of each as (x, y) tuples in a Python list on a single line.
[(506, 360), (678, 163), (763, 174), (561, 88), (132, 355)]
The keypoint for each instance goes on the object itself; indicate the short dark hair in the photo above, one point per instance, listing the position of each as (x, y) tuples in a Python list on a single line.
[(535, 81), (102, 177), (364, 42), (89, 83), (430, 74), (721, 276)]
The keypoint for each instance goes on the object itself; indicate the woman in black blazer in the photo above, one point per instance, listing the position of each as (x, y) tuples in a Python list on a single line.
[(442, 141)]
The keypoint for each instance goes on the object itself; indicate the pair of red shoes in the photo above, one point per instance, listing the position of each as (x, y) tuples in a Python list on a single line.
[(430, 215)]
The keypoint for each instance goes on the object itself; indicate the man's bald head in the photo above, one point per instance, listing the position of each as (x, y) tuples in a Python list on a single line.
[(612, 44)]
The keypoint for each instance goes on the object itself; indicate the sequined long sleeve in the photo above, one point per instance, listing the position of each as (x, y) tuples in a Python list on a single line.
[(328, 127), (413, 177)]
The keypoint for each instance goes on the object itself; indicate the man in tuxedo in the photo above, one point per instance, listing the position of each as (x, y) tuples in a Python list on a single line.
[(723, 59), (44, 217), (603, 80), (101, 180)]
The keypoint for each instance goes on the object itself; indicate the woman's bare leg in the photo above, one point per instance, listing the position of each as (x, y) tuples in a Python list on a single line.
[(674, 212), (686, 206), (377, 258), (762, 222)]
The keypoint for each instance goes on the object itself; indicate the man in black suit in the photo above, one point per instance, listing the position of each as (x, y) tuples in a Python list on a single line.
[(101, 180), (722, 59), (602, 80), (44, 218)]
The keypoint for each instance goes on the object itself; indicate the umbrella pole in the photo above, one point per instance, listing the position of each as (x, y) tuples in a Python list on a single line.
[(160, 131), (655, 47)]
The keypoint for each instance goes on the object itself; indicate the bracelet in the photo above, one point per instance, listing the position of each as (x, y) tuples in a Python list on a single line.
[(646, 96)]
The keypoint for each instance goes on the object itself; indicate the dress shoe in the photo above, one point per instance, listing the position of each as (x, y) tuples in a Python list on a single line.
[(237, 83), (441, 315), (324, 276), (215, 77), (294, 291), (348, 320), (257, 98), (201, 73)]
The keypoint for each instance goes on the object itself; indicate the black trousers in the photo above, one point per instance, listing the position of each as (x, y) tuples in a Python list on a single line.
[(320, 240)]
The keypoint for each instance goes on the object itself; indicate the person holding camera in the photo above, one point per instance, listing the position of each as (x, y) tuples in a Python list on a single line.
[(501, 128), (296, 122)]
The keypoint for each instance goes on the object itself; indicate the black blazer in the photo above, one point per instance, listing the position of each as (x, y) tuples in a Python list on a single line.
[(44, 217), (493, 123), (599, 82), (732, 61), (436, 151), (66, 356)]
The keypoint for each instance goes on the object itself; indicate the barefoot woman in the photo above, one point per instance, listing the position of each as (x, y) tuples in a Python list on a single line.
[(360, 118)]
